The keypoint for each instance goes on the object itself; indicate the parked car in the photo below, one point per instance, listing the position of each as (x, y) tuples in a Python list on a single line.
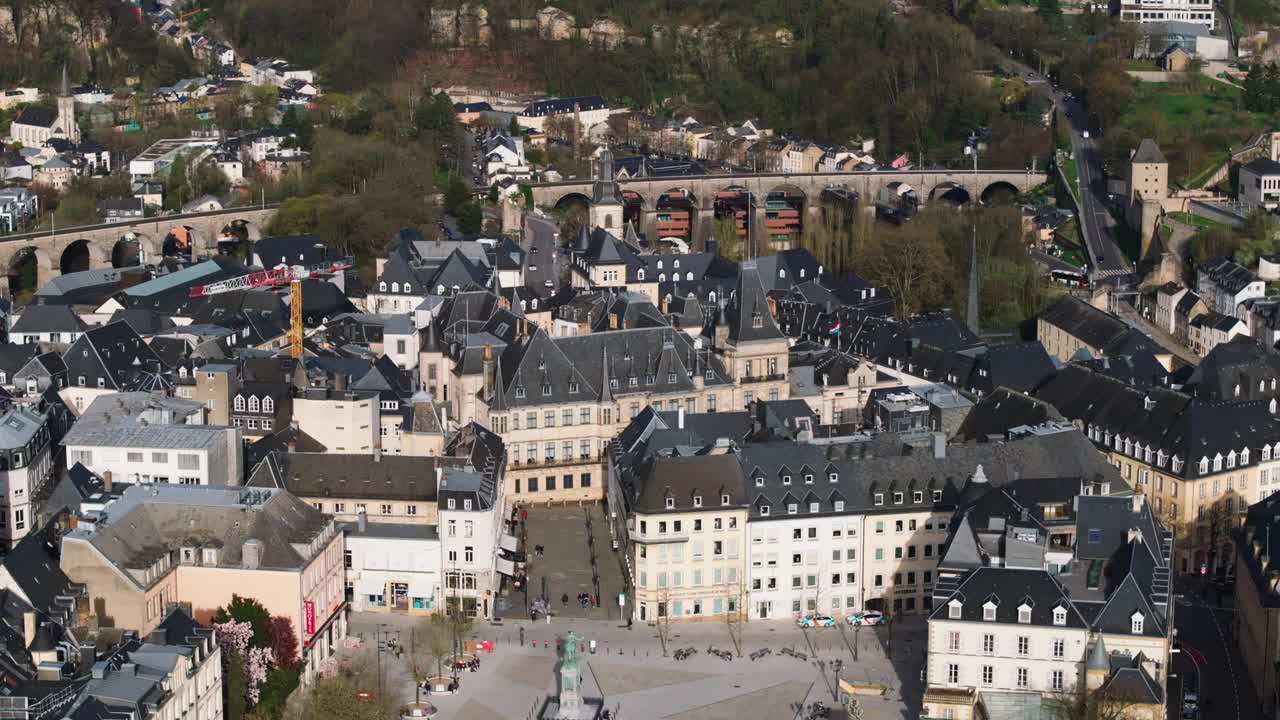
[(816, 621), (870, 617)]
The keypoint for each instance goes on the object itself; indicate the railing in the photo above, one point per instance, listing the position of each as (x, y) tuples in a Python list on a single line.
[(540, 463), (761, 378)]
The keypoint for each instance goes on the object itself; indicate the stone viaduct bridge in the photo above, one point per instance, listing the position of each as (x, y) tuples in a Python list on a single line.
[(702, 189), (59, 251)]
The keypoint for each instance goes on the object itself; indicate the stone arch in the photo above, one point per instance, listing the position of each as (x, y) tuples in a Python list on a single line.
[(252, 231), (28, 268), (677, 214), (564, 202), (1000, 193), (633, 207), (784, 209), (179, 240), (134, 248), (81, 254), (951, 192)]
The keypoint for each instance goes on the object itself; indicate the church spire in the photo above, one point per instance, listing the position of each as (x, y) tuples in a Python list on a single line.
[(66, 87)]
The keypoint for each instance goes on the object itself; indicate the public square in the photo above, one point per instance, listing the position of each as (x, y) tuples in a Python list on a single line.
[(636, 681)]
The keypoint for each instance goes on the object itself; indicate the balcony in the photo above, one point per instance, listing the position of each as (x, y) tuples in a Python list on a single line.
[(543, 462), (657, 538), (775, 377)]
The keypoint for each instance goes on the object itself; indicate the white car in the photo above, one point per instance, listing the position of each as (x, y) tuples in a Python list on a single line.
[(870, 617)]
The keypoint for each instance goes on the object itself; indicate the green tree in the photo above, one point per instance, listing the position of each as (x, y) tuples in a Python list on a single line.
[(247, 609), (177, 188), (513, 127), (728, 242), (264, 100), (455, 195), (234, 700), (470, 218), (435, 114), (1050, 10)]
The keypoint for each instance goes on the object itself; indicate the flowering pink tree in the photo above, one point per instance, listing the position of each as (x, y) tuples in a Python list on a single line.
[(234, 637)]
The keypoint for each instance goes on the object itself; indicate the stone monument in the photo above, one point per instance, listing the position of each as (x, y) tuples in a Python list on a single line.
[(569, 703)]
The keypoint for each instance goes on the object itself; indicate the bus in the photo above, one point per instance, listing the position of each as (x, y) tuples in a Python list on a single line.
[(1068, 277)]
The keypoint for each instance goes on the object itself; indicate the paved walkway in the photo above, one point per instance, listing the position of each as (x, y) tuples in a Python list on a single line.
[(637, 682), (576, 553), (1162, 338)]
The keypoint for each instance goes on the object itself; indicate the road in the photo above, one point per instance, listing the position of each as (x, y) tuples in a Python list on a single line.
[(1096, 223), (1161, 337), (1204, 631), (541, 240)]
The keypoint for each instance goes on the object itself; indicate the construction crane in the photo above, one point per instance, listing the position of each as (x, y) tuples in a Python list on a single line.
[(276, 277)]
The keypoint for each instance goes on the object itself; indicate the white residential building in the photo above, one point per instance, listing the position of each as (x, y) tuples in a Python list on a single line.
[(472, 511), (394, 567), (801, 564), (25, 467), (1260, 184), (1160, 11)]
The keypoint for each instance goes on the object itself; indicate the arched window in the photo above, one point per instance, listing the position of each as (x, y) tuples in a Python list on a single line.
[(711, 296), (782, 273), (406, 287), (239, 403), (395, 287), (268, 405), (662, 277), (253, 403), (688, 276), (382, 286), (659, 264), (676, 264), (801, 273), (640, 273), (182, 371)]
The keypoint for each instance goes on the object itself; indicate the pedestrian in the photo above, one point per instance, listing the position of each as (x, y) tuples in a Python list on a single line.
[(628, 622), (522, 636), (564, 599)]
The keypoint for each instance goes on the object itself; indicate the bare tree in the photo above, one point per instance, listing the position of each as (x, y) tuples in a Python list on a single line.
[(344, 695), (663, 620), (735, 616), (430, 642), (909, 264), (1098, 704)]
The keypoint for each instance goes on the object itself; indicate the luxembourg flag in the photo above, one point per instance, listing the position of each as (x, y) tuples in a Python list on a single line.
[(835, 329)]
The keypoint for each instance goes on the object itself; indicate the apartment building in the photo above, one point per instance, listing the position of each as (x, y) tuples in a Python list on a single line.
[(1013, 627), (142, 438), (1224, 284), (394, 567), (1255, 625), (341, 419), (160, 544), (103, 361), (1146, 12), (686, 520), (175, 672), (26, 468), (1070, 325), (1201, 455)]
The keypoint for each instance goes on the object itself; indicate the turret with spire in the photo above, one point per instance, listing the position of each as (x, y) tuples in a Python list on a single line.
[(67, 111)]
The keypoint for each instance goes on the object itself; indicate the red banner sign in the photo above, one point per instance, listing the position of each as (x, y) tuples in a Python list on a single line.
[(309, 612)]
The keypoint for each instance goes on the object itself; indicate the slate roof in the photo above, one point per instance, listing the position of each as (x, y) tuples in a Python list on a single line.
[(1148, 152), (1257, 547), (291, 250), (1226, 274), (110, 352), (1094, 327), (749, 315), (37, 116), (311, 474), (1008, 589), (48, 318), (1263, 166), (682, 479), (1003, 409)]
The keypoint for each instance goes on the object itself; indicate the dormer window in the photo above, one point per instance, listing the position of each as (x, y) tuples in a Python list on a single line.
[(395, 287), (253, 404), (1024, 614), (759, 482), (659, 264), (953, 609), (382, 286), (466, 504), (1204, 465), (452, 504), (757, 321), (879, 498), (792, 508), (1217, 462), (1244, 456), (833, 477), (839, 505), (764, 509), (1160, 458), (406, 287), (268, 405), (724, 499), (917, 496), (937, 496), (1177, 464), (813, 507), (786, 479), (1146, 456), (697, 501), (1231, 459), (519, 391), (897, 498), (573, 388), (546, 389), (238, 403), (1059, 616), (1136, 622), (671, 503), (640, 274), (1266, 452), (675, 264), (808, 479), (989, 611)]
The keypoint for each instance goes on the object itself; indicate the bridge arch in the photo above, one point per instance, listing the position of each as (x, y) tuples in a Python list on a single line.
[(634, 205), (784, 210), (134, 248), (677, 214), (28, 268), (951, 192), (246, 228), (80, 255), (564, 202), (1000, 193)]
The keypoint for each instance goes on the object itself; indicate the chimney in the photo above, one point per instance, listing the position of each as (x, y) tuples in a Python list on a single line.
[(680, 417), (1137, 503), (362, 521), (613, 321), (106, 481), (490, 372), (664, 306), (251, 554), (377, 453), (939, 446), (73, 521), (28, 627), (340, 382), (293, 443)]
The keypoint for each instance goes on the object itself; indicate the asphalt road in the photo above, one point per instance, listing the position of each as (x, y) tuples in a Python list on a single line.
[(1204, 631), (1096, 222), (541, 240)]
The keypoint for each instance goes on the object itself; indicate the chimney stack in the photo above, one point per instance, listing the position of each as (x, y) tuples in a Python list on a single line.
[(251, 554), (939, 446), (340, 382), (28, 627), (680, 417), (377, 453), (362, 520), (106, 481), (490, 372)]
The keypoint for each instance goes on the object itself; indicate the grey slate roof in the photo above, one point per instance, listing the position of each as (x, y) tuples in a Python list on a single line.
[(48, 318), (1148, 152)]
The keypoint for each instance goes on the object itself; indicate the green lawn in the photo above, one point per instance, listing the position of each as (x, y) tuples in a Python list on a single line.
[(1200, 178), (1066, 239), (1193, 220), (1142, 66), (1072, 172)]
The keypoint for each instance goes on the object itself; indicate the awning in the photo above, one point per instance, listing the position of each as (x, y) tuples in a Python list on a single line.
[(507, 542), (372, 584), (420, 585), (505, 566)]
